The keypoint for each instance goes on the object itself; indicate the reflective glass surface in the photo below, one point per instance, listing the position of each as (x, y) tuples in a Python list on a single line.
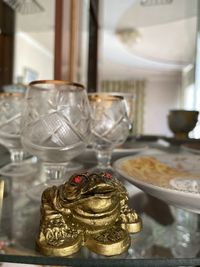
[(170, 236)]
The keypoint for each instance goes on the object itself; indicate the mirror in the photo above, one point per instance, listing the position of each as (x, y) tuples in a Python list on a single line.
[(145, 46), (33, 44), (149, 47)]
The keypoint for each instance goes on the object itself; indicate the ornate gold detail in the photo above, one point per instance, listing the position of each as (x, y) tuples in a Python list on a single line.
[(88, 210)]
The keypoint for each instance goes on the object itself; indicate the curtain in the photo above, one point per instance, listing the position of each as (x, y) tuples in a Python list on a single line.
[(138, 89)]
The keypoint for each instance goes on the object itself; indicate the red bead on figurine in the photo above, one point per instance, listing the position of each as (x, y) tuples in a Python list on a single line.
[(77, 179), (107, 175)]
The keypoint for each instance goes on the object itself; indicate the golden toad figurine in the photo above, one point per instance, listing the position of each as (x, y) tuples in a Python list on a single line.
[(88, 210)]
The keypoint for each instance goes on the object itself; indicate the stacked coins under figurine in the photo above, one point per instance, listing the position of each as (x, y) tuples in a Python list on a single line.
[(88, 210)]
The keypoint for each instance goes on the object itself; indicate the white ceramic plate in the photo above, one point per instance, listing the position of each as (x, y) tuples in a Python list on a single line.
[(136, 147), (183, 192), (192, 148)]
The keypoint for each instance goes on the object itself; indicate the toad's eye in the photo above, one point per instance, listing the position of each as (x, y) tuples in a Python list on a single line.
[(77, 179), (107, 175)]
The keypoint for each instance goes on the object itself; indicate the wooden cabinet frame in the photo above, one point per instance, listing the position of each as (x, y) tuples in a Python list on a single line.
[(67, 41)]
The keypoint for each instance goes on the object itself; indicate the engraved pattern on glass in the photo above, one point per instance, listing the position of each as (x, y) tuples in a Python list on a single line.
[(55, 124), (11, 105)]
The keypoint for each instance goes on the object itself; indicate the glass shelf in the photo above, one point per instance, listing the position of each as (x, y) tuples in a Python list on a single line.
[(153, 246), (158, 244)]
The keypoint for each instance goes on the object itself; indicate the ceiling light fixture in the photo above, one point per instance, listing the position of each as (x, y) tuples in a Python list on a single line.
[(25, 6), (128, 36), (155, 2)]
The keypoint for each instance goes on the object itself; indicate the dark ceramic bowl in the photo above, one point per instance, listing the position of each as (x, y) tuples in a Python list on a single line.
[(181, 122)]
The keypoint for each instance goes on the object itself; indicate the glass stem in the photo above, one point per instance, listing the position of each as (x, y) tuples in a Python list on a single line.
[(104, 158), (16, 155), (53, 171)]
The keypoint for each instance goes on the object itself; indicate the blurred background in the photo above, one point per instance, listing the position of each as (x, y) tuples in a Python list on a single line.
[(149, 47)]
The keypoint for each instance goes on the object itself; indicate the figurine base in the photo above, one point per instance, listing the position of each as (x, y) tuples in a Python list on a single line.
[(112, 242), (67, 248)]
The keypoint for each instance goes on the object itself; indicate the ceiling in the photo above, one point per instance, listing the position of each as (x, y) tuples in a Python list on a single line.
[(40, 21), (39, 26), (166, 40), (166, 43), (132, 13)]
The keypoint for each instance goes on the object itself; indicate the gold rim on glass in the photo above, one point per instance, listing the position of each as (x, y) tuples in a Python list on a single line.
[(104, 96), (59, 82), (11, 94)]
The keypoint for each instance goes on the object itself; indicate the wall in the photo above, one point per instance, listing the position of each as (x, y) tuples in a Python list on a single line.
[(161, 95), (30, 54)]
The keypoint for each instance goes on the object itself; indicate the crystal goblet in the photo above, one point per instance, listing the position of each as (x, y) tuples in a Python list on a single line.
[(109, 126), (129, 98), (11, 105), (55, 124)]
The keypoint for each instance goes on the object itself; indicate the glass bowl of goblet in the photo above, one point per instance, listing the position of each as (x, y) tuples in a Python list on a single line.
[(109, 126), (129, 98), (11, 105), (55, 125)]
